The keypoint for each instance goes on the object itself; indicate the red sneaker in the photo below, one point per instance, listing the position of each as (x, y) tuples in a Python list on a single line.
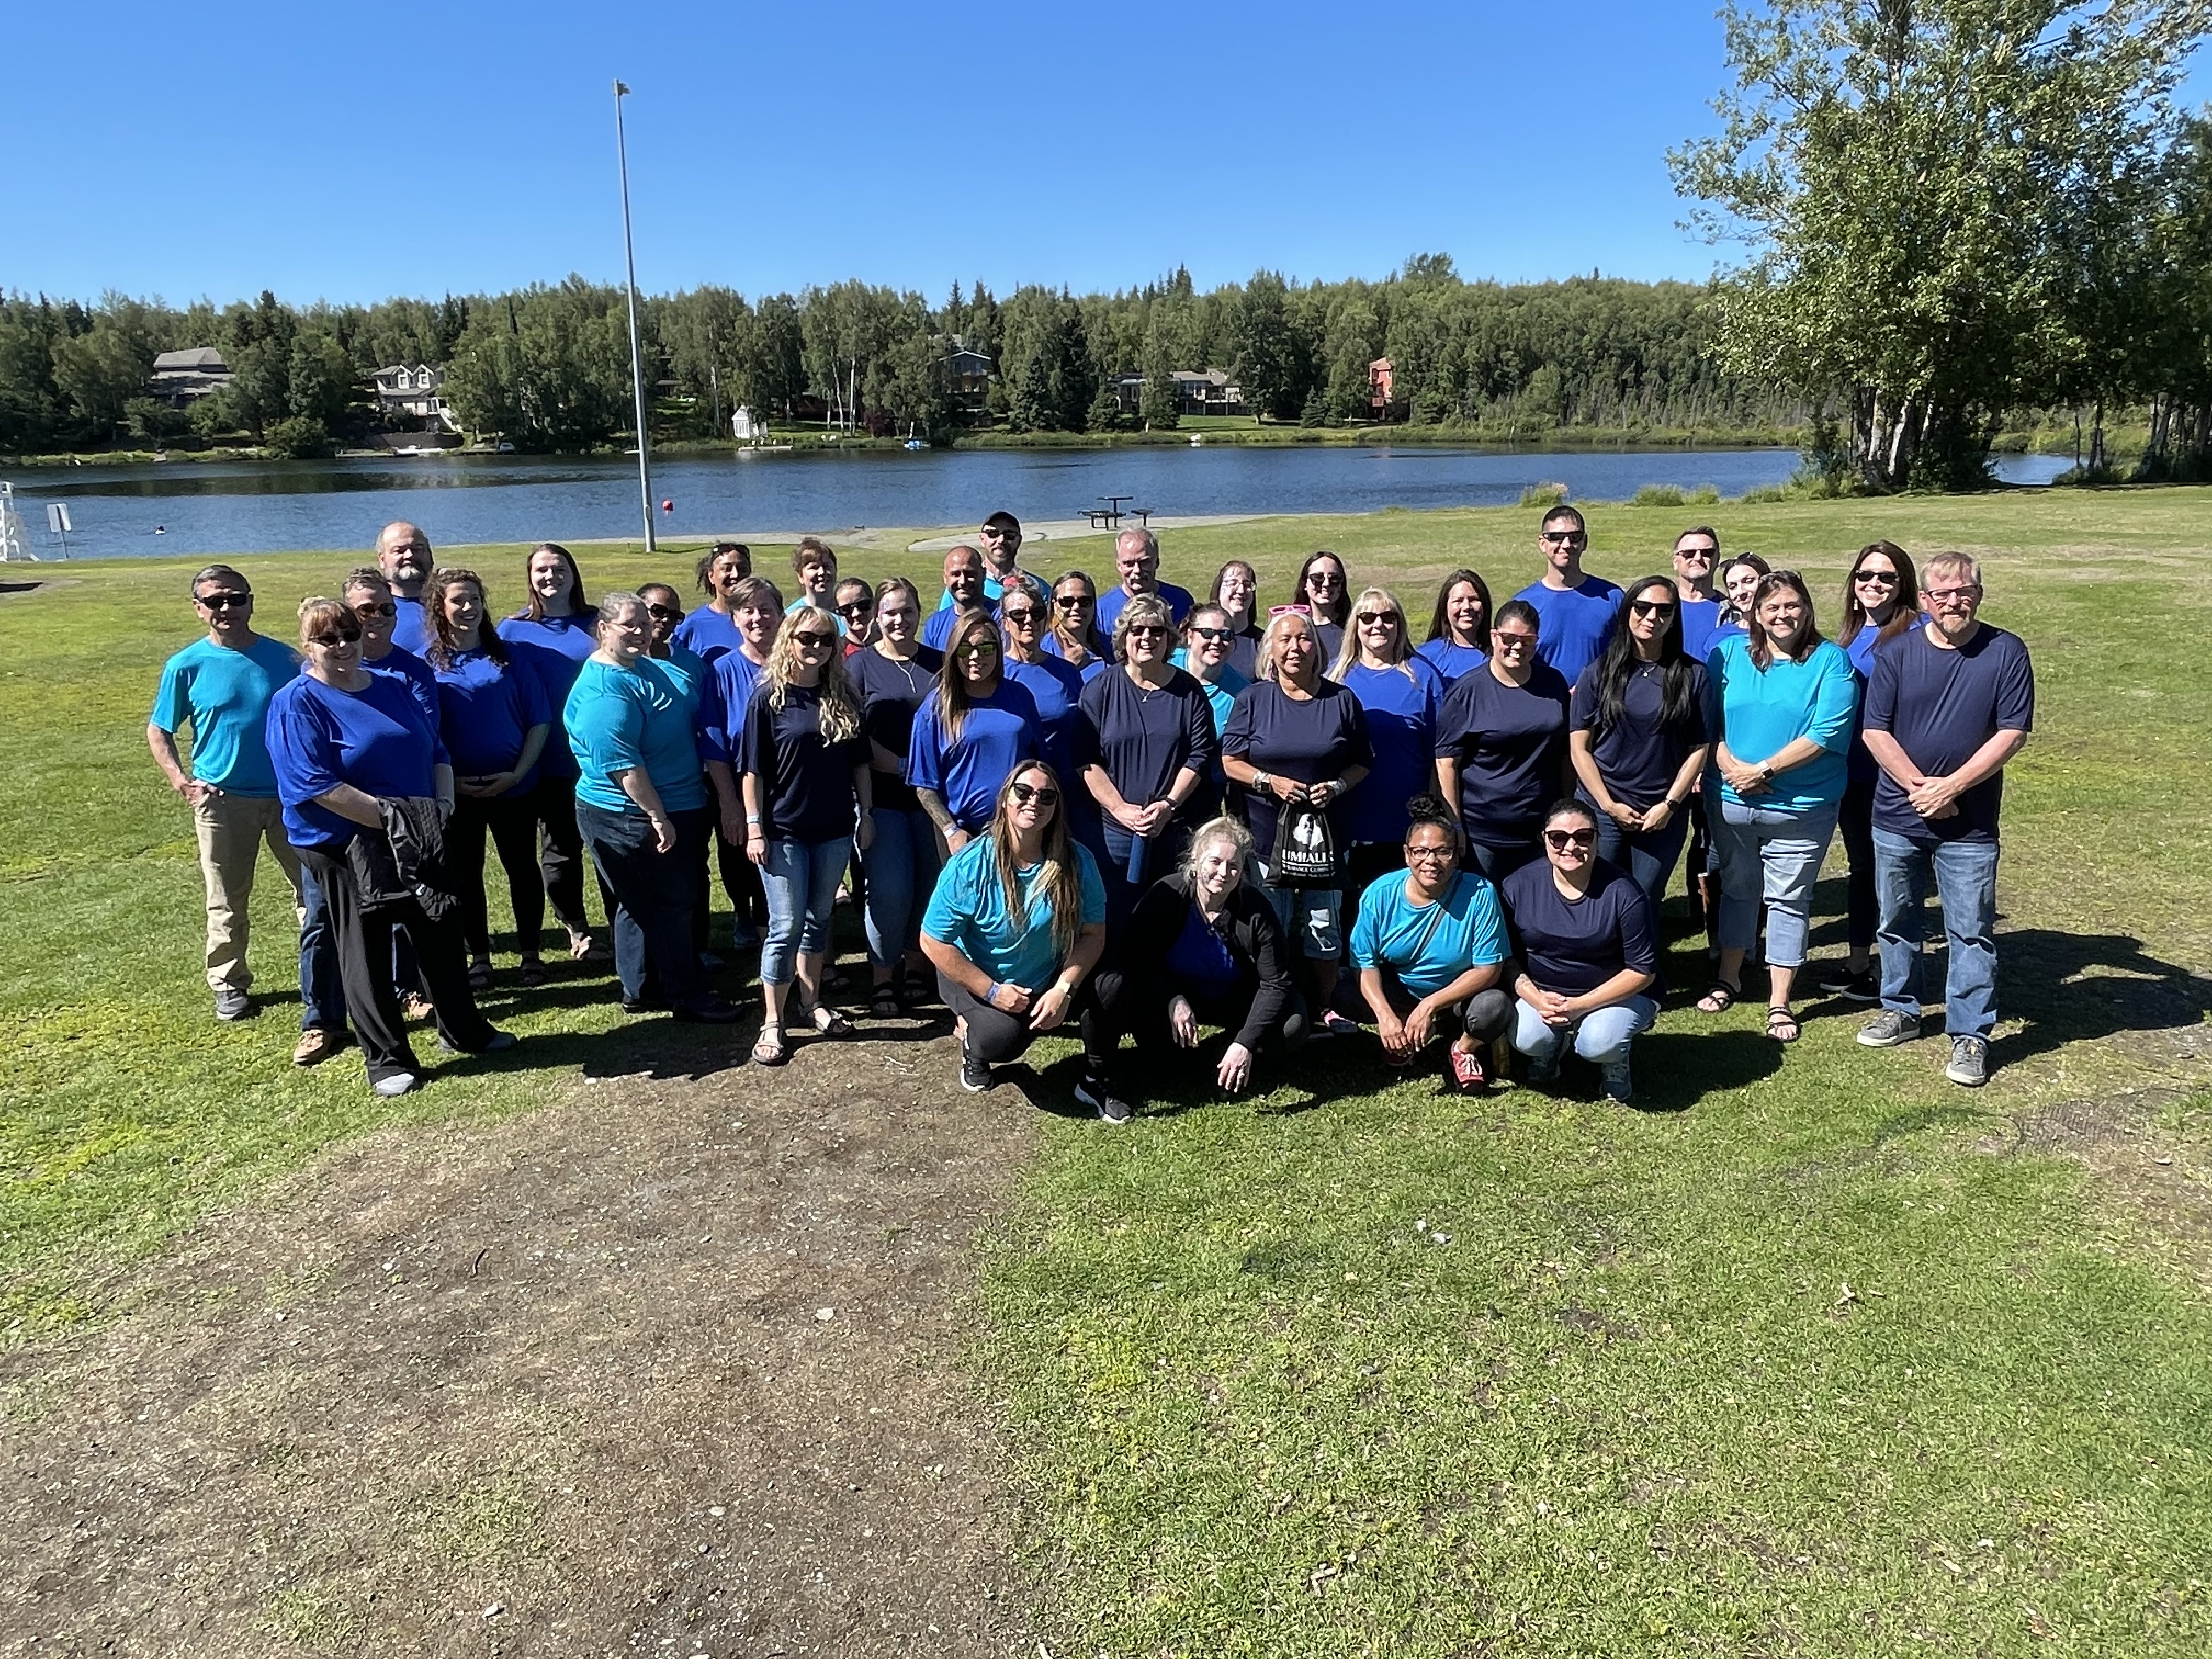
[(1468, 1070)]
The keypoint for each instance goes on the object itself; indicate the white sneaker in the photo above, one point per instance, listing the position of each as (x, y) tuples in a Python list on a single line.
[(399, 1083)]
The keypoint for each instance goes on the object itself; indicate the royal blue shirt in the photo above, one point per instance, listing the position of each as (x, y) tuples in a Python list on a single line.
[(1575, 622), (936, 627), (1144, 737), (1639, 755), (1701, 621), (1941, 706), (410, 625), (1055, 687), (398, 659), (1116, 599), (998, 734), (1510, 742), (806, 783), (967, 911), (733, 675), (707, 633), (1758, 713), (891, 693), (620, 719), (1200, 957), (485, 711), (554, 648), (380, 739), (1401, 724), (1428, 946), (1101, 654), (224, 696), (1570, 946), (1451, 659), (1858, 764), (1320, 738)]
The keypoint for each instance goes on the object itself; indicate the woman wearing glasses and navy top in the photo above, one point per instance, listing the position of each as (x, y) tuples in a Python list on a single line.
[(494, 718), (803, 767), (1637, 734), (1400, 694), (642, 800), (1587, 941), (1016, 921), (1296, 735), (970, 733), (1325, 593), (1784, 702), (894, 676), (1145, 747), (343, 741), (1879, 603), (1502, 745), (1459, 631)]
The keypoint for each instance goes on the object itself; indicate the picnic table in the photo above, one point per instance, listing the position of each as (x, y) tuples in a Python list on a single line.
[(1109, 517)]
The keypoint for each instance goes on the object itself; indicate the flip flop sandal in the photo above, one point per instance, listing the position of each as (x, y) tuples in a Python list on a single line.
[(770, 1049), (884, 1004), (1722, 995), (1779, 1018), (480, 977), (533, 972)]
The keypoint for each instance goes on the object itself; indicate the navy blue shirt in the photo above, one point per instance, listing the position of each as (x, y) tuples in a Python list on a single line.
[(805, 784), (1573, 945), (1143, 736), (1510, 742), (1306, 742), (1639, 756), (891, 693), (1940, 706), (1575, 622), (1200, 957)]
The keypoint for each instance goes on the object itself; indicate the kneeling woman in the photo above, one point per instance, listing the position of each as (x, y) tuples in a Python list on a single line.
[(1588, 950), (1017, 920), (1212, 954), (1431, 947)]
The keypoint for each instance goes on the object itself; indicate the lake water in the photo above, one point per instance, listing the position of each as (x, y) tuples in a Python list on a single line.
[(214, 508)]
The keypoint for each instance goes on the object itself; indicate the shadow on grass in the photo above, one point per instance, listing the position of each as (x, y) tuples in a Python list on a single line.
[(2083, 987)]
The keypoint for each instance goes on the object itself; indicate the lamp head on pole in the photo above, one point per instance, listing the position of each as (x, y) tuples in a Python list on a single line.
[(621, 90)]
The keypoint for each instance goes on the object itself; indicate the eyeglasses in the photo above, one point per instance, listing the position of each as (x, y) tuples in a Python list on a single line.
[(813, 639), (1432, 854), (1658, 608), (1502, 640), (1887, 578), (332, 640), (1024, 617), (1026, 793), (1565, 536), (1214, 636), (664, 613), (375, 609), (1376, 618), (1561, 840), (224, 600), (1954, 595), (1074, 601)]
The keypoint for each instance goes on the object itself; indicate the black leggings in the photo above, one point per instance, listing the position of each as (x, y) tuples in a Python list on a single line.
[(561, 859), (1861, 909), (994, 1036), (1136, 1004), (512, 822), (1485, 1017)]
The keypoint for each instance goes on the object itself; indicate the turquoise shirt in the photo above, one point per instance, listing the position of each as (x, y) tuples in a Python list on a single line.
[(224, 696), (1220, 691), (622, 718), (1758, 713), (968, 912), (1426, 951)]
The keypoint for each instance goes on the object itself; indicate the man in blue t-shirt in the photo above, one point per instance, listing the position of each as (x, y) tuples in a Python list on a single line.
[(964, 584), (403, 554), (1137, 558), (1577, 609), (220, 687), (1949, 703)]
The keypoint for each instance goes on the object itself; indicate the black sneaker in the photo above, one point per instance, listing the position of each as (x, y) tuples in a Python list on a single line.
[(1862, 986), (1094, 1092), (975, 1075)]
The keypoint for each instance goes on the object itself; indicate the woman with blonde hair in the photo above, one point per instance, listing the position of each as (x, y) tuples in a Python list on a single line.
[(1400, 691), (803, 772)]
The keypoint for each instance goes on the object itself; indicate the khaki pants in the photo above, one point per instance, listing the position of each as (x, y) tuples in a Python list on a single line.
[(231, 829)]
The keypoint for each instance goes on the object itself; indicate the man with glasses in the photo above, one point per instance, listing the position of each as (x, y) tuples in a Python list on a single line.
[(403, 554), (1577, 609), (1950, 702), (1137, 558), (1697, 555), (221, 686), (966, 586), (1001, 536)]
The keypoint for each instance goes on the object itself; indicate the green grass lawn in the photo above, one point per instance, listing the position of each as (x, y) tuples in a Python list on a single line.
[(1355, 1367)]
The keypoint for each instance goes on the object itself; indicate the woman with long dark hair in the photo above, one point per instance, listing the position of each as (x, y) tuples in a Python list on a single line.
[(1636, 732), (1325, 590), (1073, 635), (494, 716), (1880, 601), (1459, 630), (975, 728), (1017, 920)]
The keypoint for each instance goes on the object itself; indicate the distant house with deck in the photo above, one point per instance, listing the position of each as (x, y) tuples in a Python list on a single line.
[(409, 392), (182, 378), (1209, 392), (1382, 389)]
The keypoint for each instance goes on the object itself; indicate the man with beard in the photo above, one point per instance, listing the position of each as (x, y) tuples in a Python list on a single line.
[(403, 554)]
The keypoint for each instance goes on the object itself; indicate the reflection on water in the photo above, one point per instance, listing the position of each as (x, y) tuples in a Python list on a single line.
[(239, 506)]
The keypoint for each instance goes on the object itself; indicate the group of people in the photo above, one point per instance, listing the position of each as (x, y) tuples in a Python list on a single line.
[(1126, 810)]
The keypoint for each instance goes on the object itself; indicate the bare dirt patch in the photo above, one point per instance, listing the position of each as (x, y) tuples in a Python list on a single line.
[(669, 1367)]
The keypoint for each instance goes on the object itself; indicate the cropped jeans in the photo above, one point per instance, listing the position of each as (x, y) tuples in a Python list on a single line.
[(1965, 878), (902, 871), (1771, 852), (802, 878), (1602, 1035)]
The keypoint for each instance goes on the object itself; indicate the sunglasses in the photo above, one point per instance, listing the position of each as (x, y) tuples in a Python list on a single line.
[(1290, 610), (813, 638), (977, 648), (1505, 642), (1561, 840), (1214, 636), (1375, 618), (1024, 794), (384, 609), (1147, 631), (1025, 618), (1887, 578), (664, 613), (856, 608), (1697, 552), (331, 642), (1652, 608), (1323, 579), (225, 600), (1074, 601), (1563, 536)]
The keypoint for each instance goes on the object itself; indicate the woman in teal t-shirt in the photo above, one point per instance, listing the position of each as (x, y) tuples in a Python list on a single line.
[(1784, 702)]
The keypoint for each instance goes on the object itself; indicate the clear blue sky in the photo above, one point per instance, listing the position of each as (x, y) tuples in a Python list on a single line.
[(350, 153)]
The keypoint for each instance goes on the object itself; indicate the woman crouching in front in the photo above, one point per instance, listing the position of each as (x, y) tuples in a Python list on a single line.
[(1017, 920), (1211, 953), (1589, 952), (1430, 948)]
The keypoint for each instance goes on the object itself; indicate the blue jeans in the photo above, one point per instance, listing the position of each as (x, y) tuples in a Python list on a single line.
[(1966, 873), (801, 878), (654, 893), (902, 871), (322, 997), (1602, 1035), (1775, 852), (1648, 859)]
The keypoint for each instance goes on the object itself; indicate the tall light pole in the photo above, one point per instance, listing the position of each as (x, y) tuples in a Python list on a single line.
[(636, 358)]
